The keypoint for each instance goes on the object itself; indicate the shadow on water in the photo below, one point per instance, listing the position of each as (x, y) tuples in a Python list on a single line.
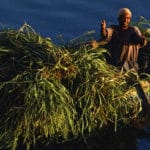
[(126, 138)]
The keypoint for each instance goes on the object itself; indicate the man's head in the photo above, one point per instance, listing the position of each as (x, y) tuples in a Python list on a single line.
[(124, 17)]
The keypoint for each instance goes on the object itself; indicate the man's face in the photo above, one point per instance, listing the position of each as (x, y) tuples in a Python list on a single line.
[(124, 20)]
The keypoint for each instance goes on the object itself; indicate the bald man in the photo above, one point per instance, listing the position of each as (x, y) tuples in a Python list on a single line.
[(124, 41)]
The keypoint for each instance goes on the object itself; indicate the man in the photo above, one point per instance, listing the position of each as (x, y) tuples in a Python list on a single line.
[(124, 41)]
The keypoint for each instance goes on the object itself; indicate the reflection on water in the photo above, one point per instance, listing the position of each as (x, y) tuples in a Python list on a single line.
[(143, 142)]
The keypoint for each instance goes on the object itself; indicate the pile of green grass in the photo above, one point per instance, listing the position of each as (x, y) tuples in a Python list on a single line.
[(53, 94)]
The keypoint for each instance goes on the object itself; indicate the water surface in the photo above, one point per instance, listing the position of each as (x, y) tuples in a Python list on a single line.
[(66, 18)]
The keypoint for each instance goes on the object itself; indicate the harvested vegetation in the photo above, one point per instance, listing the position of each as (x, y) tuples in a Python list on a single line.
[(51, 93)]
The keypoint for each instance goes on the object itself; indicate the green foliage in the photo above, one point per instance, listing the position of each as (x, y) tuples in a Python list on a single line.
[(37, 110), (102, 93), (52, 94)]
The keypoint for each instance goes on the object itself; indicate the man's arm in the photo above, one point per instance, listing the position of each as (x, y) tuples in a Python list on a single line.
[(106, 33), (143, 41), (140, 38)]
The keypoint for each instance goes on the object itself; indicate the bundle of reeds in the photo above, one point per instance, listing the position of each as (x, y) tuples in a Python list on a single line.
[(34, 104), (53, 94)]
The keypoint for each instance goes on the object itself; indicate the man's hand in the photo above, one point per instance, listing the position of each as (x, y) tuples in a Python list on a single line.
[(143, 41), (103, 28), (103, 24)]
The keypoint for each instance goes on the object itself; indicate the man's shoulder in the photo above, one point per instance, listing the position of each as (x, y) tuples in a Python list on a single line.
[(135, 29)]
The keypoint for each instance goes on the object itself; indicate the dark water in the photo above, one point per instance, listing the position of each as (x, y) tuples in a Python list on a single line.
[(68, 19)]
